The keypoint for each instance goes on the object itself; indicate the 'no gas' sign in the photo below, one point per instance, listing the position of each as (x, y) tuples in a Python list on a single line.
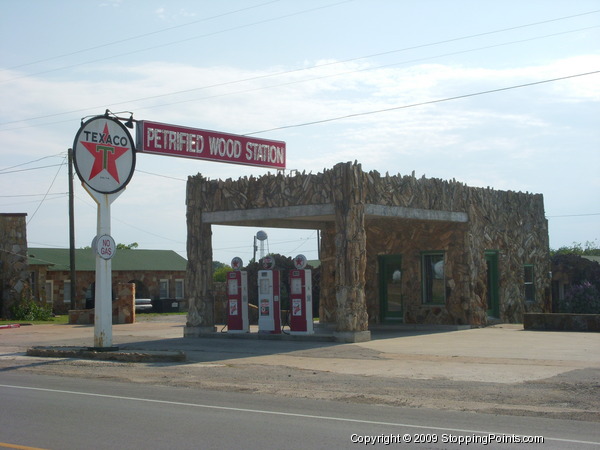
[(104, 246)]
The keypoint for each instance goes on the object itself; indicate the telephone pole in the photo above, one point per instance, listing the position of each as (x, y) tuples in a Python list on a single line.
[(72, 234)]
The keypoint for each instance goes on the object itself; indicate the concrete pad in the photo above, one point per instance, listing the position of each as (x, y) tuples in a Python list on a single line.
[(499, 354), (113, 354)]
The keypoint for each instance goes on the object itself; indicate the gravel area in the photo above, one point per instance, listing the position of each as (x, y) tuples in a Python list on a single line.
[(350, 373)]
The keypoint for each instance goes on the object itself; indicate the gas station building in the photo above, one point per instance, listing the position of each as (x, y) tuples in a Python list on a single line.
[(394, 249)]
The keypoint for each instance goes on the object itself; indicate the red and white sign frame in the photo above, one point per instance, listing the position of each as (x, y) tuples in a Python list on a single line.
[(104, 154)]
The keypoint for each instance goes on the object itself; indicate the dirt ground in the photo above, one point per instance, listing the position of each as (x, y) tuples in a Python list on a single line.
[(573, 396), (571, 393)]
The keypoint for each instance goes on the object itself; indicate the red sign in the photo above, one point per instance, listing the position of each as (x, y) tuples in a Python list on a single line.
[(173, 140)]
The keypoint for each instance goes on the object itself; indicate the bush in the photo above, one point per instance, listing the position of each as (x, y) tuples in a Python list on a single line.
[(31, 310), (581, 298)]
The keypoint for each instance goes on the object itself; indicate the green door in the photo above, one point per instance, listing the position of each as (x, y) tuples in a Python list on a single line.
[(390, 292), (493, 303)]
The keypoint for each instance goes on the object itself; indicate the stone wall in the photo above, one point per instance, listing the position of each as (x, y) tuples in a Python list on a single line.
[(509, 223), (562, 322), (123, 308), (85, 279), (14, 270), (410, 238), (198, 280)]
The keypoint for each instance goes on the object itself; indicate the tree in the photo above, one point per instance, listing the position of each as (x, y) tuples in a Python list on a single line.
[(127, 247), (217, 265), (591, 248), (119, 246), (220, 274)]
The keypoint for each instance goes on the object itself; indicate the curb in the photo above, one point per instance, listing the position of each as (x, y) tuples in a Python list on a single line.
[(116, 355)]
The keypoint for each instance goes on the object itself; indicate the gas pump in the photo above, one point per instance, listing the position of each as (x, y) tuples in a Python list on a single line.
[(269, 310), (237, 298), (301, 315)]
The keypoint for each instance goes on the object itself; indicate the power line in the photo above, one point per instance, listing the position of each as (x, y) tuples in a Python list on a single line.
[(47, 192), (33, 168), (162, 30), (573, 215), (318, 66), (32, 195), (260, 22), (159, 175), (303, 69), (265, 21), (49, 198), (289, 83), (430, 102), (31, 162)]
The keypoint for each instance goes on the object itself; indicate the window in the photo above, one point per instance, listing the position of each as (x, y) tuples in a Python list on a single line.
[(67, 291), (179, 289), (434, 285), (33, 284), (49, 291), (529, 283), (164, 289)]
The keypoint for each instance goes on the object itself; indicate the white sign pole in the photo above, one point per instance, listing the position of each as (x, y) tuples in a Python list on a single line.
[(103, 293)]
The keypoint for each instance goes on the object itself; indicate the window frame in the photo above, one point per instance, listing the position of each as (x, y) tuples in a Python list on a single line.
[(160, 288), (179, 285), (428, 278), (529, 285), (49, 291), (67, 291)]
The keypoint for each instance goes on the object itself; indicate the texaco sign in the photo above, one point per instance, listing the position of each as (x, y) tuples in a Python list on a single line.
[(104, 154)]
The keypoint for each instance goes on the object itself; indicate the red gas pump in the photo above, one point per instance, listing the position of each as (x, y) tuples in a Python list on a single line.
[(237, 299), (301, 316), (269, 310)]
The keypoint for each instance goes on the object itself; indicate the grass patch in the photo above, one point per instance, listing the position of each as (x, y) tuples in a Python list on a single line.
[(56, 320), (151, 314), (64, 319)]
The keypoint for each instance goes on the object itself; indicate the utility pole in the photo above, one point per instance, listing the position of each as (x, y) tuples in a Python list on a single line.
[(72, 234)]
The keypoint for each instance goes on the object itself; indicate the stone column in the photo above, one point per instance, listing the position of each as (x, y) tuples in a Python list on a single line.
[(14, 269), (125, 304), (350, 244), (198, 280), (327, 300)]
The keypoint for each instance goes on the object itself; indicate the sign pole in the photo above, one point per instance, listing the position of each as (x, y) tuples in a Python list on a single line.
[(103, 292), (104, 157)]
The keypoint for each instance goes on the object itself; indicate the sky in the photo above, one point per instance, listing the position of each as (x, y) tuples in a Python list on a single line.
[(498, 94)]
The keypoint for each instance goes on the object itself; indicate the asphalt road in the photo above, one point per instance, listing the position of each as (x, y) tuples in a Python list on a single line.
[(41, 411)]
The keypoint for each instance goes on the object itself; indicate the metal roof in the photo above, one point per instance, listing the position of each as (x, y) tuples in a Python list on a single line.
[(57, 259)]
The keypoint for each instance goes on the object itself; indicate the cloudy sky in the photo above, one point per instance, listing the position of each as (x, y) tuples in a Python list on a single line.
[(499, 94)]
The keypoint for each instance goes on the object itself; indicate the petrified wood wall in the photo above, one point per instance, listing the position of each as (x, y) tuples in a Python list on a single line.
[(198, 280), (14, 268), (513, 224), (350, 248), (410, 238)]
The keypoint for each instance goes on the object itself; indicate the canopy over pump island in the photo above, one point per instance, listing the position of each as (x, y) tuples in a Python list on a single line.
[(394, 248)]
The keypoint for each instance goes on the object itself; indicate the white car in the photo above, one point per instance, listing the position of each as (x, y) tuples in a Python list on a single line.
[(143, 305)]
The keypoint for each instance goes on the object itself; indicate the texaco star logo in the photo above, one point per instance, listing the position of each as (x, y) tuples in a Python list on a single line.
[(104, 154), (236, 263), (300, 262)]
